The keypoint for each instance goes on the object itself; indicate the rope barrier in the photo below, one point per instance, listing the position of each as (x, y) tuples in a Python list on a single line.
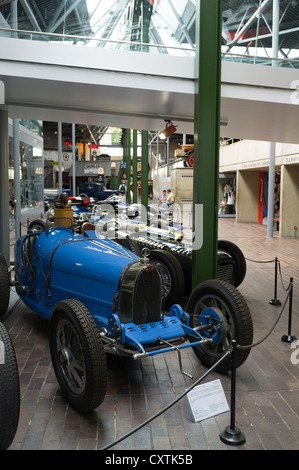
[(268, 334), (232, 435), (275, 301), (169, 405), (285, 289), (261, 262), (288, 338)]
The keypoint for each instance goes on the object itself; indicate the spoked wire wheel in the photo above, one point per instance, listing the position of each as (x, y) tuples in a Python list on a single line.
[(71, 356), (172, 276), (165, 274), (222, 308), (78, 355)]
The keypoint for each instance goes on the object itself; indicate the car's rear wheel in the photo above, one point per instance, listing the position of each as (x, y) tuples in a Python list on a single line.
[(9, 390), (4, 286), (220, 306), (78, 355)]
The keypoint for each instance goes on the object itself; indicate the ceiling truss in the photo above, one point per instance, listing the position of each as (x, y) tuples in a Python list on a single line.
[(246, 25)]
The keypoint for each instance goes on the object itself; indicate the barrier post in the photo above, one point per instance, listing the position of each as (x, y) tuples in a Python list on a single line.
[(275, 301), (232, 434), (289, 338)]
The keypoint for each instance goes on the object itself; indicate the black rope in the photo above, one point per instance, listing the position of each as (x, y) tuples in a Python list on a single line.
[(274, 325), (262, 262), (279, 268)]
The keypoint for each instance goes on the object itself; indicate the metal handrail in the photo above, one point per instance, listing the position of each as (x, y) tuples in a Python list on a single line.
[(90, 38), (144, 44), (268, 59)]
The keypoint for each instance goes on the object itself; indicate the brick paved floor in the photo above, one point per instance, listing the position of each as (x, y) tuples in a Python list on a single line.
[(267, 398)]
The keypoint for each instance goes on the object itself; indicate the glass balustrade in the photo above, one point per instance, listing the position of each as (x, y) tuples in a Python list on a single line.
[(155, 26)]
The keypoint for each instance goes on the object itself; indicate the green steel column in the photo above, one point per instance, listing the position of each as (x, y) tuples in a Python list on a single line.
[(135, 160), (206, 137), (144, 176), (127, 160)]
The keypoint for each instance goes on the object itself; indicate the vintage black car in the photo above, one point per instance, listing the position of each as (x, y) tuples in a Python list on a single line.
[(96, 190)]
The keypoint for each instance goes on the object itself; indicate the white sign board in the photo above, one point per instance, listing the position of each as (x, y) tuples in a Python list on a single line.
[(207, 400)]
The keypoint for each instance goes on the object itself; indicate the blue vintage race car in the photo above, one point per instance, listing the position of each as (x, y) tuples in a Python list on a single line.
[(102, 299)]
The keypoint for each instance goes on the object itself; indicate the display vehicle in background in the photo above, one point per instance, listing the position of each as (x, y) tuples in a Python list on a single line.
[(95, 190)]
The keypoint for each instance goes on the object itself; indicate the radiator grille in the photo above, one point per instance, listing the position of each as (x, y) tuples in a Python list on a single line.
[(140, 295), (147, 296)]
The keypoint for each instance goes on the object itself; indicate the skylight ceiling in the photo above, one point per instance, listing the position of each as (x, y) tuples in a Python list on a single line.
[(165, 23)]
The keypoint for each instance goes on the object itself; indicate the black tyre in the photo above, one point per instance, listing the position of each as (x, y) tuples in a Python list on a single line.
[(37, 225), (219, 303), (4, 287), (129, 243), (78, 355), (9, 391), (171, 274), (236, 254)]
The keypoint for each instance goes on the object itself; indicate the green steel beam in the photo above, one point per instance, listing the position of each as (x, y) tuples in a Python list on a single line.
[(135, 160), (206, 138), (127, 160), (144, 175)]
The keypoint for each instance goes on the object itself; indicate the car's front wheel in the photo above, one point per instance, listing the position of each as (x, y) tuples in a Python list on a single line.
[(220, 306), (78, 355)]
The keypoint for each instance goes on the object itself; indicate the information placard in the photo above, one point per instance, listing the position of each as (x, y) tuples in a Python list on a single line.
[(207, 400)]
